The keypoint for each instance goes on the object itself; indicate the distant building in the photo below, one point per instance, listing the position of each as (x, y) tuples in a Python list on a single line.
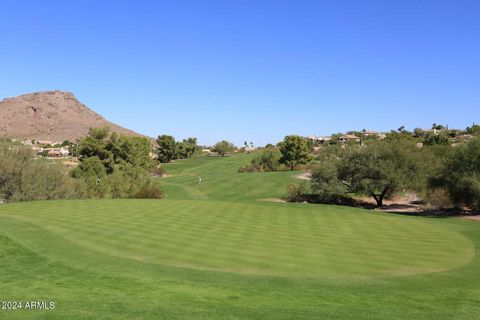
[(45, 142), (430, 131), (370, 133), (374, 134), (58, 152), (319, 139), (346, 138)]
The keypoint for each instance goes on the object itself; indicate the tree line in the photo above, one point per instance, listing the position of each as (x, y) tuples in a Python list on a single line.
[(110, 166), (169, 149), (382, 169), (445, 175)]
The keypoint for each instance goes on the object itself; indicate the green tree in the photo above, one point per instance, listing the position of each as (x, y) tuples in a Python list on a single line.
[(95, 145), (460, 175), (191, 146), (180, 150), (441, 137), (438, 127), (325, 182), (295, 150), (380, 170), (418, 132), (223, 147), (186, 148), (126, 174), (267, 160), (167, 148), (130, 149), (474, 129), (399, 136)]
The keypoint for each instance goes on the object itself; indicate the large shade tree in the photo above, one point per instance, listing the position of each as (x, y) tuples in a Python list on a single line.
[(167, 148), (223, 147), (295, 150), (379, 170)]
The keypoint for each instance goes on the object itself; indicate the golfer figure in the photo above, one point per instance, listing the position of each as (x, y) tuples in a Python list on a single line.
[(199, 179)]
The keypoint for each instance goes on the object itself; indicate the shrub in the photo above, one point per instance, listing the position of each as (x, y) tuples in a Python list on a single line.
[(22, 178), (296, 193), (149, 191), (438, 198), (267, 160), (116, 166), (325, 183), (460, 175)]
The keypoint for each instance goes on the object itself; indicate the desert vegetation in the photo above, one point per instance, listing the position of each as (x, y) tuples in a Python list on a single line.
[(383, 169), (23, 178), (169, 149), (227, 235), (116, 166), (255, 259), (110, 166)]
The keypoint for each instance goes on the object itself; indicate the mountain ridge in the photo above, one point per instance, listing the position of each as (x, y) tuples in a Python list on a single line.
[(52, 115)]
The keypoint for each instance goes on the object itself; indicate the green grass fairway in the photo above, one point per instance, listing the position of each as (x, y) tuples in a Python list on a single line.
[(213, 251), (221, 180)]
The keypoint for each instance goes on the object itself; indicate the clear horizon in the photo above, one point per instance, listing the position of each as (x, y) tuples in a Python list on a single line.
[(250, 71)]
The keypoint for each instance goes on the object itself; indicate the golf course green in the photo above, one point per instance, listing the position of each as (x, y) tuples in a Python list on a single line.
[(218, 250)]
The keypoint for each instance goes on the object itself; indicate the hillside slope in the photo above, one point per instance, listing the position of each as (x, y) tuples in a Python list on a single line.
[(50, 115)]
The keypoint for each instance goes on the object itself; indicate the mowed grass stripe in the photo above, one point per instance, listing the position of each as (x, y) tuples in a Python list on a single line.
[(214, 257), (279, 240)]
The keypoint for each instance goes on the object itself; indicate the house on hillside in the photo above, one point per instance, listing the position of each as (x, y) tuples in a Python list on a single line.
[(370, 133), (347, 138), (58, 152), (49, 142), (374, 134), (317, 139), (430, 131)]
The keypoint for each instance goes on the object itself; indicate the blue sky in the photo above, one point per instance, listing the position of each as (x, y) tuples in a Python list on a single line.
[(250, 70)]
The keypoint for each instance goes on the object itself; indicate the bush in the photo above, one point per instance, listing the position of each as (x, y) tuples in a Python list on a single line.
[(149, 191), (296, 193), (325, 182), (438, 199), (22, 178), (267, 160), (116, 166), (460, 175)]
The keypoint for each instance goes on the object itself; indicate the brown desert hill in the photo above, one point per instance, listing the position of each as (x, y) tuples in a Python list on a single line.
[(50, 115)]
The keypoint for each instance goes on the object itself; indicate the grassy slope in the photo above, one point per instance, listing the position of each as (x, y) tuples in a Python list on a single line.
[(220, 180), (235, 258)]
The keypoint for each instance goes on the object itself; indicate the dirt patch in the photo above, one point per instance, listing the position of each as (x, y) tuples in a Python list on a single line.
[(160, 176), (304, 176), (472, 218)]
